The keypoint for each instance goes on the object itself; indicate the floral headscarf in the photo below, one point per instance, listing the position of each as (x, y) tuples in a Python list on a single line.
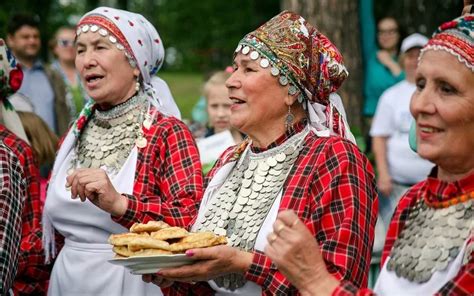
[(11, 77), (306, 60), (455, 37), (11, 74), (142, 45)]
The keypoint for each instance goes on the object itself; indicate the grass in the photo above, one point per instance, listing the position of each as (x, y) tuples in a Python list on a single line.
[(186, 89)]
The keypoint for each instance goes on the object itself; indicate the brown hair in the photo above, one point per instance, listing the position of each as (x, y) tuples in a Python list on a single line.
[(42, 139), (218, 78)]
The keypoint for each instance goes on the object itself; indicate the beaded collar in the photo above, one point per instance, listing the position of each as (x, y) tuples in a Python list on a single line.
[(109, 136), (435, 230), (239, 208)]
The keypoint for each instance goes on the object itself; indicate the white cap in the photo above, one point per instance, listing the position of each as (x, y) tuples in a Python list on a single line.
[(413, 40)]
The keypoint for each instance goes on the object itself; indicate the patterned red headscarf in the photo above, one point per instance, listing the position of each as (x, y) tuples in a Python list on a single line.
[(455, 37)]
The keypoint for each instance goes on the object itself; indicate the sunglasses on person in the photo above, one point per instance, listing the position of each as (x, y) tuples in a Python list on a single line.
[(65, 42)]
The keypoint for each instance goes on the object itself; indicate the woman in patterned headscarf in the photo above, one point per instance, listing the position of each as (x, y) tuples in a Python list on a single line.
[(127, 157), (299, 155), (430, 243)]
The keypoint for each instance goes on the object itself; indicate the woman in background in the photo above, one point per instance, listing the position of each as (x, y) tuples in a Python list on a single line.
[(62, 46)]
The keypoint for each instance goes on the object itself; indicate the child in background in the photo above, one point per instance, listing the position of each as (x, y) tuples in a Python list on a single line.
[(219, 134)]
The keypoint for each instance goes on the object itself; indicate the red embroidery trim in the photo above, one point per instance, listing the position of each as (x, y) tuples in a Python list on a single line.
[(109, 26)]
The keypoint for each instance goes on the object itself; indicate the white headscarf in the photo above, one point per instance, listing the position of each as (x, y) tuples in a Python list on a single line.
[(141, 40)]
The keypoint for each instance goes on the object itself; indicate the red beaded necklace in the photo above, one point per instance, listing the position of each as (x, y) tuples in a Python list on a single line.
[(450, 202)]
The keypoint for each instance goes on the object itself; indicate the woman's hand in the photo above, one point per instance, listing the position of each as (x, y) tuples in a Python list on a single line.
[(95, 185), (295, 252), (385, 59), (385, 185), (212, 262)]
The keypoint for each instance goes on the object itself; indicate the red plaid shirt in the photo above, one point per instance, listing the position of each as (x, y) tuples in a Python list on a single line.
[(32, 275), (463, 282), (168, 178), (331, 187), (12, 198)]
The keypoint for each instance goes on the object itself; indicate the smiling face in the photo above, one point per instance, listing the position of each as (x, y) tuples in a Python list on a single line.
[(259, 102), (105, 71), (443, 106)]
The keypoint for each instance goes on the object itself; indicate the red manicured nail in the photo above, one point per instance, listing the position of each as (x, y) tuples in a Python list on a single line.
[(189, 253)]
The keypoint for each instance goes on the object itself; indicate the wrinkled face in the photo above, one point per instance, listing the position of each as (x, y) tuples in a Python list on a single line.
[(25, 43), (105, 71), (64, 48), (443, 106), (218, 107), (387, 33), (258, 100)]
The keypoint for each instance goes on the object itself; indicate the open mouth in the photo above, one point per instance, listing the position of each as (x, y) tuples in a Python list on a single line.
[(237, 101), (430, 130), (93, 78)]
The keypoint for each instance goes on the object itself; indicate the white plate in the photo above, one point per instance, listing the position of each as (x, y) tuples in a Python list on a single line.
[(151, 264)]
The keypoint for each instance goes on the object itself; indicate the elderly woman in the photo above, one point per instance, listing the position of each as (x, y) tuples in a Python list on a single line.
[(283, 97), (126, 157), (430, 244)]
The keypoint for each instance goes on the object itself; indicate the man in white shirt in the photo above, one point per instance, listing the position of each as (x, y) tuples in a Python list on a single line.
[(398, 167)]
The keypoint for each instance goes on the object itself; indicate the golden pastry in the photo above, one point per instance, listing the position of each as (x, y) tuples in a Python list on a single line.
[(151, 226)]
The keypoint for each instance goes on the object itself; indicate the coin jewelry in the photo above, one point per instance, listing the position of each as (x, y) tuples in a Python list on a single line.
[(110, 135), (239, 208), (431, 239)]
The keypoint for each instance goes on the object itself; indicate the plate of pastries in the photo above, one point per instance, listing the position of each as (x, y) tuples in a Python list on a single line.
[(150, 246)]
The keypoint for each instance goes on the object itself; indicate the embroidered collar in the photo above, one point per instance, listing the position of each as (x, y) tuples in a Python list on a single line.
[(439, 191)]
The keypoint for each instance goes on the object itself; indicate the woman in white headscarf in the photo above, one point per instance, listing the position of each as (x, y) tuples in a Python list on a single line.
[(126, 159)]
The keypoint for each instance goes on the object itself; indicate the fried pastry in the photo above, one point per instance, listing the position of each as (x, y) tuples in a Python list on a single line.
[(197, 236), (151, 226), (147, 243), (151, 252), (122, 251), (158, 238), (123, 239), (181, 247), (170, 233)]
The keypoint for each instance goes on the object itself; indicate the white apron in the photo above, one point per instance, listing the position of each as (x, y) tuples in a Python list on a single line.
[(81, 268)]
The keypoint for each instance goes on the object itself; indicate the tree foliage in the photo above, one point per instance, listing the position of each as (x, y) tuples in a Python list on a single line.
[(205, 33)]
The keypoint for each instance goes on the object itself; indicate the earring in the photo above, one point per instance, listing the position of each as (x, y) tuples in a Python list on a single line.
[(137, 85), (289, 118)]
